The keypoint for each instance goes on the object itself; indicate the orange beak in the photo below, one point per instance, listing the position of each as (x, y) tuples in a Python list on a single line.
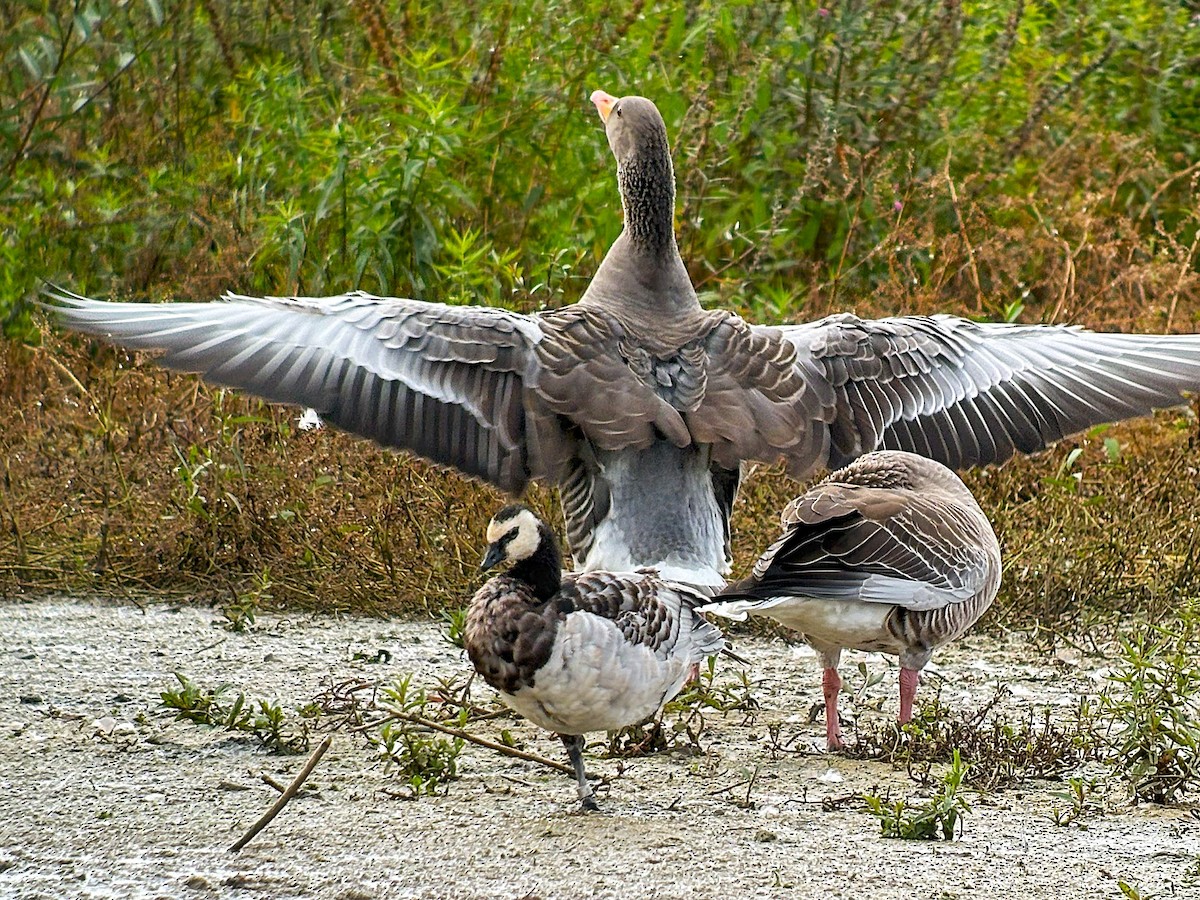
[(604, 104)]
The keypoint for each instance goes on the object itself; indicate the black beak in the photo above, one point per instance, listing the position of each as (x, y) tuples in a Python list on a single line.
[(495, 556)]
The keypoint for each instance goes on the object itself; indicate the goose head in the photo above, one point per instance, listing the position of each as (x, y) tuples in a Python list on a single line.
[(638, 138), (513, 535)]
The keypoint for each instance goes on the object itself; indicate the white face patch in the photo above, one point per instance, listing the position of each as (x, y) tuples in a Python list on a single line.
[(524, 527)]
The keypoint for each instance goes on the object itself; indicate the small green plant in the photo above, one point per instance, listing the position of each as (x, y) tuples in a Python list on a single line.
[(1155, 704), (937, 818), (241, 612), (454, 621), (1132, 892), (206, 706), (219, 708), (426, 761), (1080, 801)]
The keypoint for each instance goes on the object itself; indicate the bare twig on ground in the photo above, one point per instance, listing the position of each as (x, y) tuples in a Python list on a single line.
[(474, 739), (292, 790)]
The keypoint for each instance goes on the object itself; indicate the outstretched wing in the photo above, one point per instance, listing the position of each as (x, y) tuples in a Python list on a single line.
[(966, 393), (445, 382)]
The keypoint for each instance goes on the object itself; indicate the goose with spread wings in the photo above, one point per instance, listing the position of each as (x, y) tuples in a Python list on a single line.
[(639, 404)]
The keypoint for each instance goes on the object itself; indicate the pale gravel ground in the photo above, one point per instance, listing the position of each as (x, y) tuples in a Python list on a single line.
[(141, 813)]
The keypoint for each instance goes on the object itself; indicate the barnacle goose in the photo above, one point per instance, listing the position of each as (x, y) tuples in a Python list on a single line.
[(591, 651)]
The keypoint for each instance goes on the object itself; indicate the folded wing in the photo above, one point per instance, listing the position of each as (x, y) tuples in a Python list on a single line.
[(846, 542)]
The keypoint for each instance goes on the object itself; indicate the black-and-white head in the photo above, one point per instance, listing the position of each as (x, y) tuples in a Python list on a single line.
[(513, 535)]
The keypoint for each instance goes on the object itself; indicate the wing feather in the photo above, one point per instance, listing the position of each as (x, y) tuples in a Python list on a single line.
[(966, 393), (445, 382)]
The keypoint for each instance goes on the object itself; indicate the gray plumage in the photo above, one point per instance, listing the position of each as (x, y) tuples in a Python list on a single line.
[(637, 402), (593, 651), (891, 554)]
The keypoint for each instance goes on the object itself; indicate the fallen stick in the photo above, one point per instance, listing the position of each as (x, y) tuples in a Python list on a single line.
[(474, 739), (292, 790)]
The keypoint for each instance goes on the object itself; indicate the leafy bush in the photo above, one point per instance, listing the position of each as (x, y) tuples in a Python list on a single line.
[(1156, 709), (449, 151)]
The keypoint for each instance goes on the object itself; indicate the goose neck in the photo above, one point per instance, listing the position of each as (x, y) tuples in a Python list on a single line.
[(647, 186)]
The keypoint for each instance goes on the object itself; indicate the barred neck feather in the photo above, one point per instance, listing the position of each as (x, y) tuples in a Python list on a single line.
[(647, 183)]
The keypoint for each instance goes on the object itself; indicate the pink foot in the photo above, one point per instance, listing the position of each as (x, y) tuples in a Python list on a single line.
[(909, 678), (831, 684)]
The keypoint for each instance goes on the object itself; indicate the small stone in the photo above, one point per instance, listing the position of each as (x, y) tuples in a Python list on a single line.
[(199, 883), (763, 836), (32, 698)]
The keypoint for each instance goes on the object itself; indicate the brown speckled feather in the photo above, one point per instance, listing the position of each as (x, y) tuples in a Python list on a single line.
[(509, 633)]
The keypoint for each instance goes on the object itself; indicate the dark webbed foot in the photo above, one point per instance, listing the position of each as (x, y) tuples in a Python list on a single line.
[(574, 744)]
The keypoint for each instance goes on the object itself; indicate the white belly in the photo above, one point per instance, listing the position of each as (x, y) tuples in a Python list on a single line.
[(837, 623)]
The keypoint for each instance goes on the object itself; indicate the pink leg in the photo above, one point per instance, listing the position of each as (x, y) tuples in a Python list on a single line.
[(909, 678), (831, 684)]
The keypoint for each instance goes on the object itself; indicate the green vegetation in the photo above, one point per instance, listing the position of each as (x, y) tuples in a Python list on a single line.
[(1007, 161), (268, 722), (1155, 706), (1081, 803), (936, 818), (424, 761)]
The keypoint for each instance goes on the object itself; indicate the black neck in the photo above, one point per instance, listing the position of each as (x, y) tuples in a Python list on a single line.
[(543, 570), (647, 185)]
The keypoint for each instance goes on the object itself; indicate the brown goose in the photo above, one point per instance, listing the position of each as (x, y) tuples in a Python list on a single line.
[(594, 651), (891, 554), (638, 403)]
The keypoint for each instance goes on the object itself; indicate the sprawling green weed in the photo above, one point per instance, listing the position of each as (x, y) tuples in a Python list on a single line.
[(1155, 705), (219, 707)]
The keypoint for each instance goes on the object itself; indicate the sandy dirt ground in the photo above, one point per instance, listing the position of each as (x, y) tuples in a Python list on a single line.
[(104, 794)]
